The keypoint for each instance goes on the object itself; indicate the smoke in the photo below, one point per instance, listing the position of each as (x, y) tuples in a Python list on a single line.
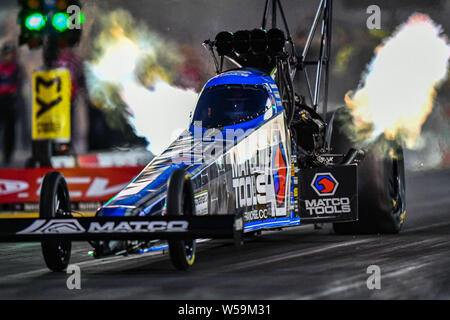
[(132, 71), (397, 93)]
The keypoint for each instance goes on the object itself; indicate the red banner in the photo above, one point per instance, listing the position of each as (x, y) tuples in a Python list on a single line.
[(85, 184)]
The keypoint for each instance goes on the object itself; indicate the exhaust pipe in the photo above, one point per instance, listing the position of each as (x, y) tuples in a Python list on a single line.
[(352, 156)]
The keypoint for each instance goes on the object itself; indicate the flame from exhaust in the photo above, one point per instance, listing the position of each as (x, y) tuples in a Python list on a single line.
[(399, 87), (131, 72)]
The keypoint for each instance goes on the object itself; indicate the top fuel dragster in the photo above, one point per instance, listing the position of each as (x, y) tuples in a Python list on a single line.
[(256, 156)]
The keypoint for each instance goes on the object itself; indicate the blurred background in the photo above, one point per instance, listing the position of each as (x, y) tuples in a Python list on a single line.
[(140, 64)]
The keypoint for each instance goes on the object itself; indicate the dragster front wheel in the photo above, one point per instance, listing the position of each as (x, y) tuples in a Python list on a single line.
[(180, 202), (55, 202)]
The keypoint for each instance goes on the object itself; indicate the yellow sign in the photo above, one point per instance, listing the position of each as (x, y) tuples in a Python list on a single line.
[(51, 105)]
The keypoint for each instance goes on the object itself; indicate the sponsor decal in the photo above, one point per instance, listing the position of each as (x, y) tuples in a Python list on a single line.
[(328, 193), (250, 180), (324, 184), (328, 206), (279, 173), (259, 214), (201, 203), (72, 226), (12, 186), (40, 226), (85, 184), (138, 226), (51, 104), (260, 174)]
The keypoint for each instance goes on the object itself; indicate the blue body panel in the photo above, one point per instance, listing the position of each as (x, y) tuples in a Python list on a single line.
[(145, 195), (246, 76)]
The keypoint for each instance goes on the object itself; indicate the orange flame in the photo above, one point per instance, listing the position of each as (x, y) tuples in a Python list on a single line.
[(133, 67), (399, 87)]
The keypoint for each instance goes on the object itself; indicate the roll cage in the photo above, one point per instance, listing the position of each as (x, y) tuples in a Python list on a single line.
[(283, 65)]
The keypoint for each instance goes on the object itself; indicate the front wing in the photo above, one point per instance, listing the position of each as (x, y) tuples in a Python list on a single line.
[(121, 228)]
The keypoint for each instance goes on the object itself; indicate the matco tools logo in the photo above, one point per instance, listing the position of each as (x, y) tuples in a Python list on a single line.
[(324, 184), (41, 226), (72, 226)]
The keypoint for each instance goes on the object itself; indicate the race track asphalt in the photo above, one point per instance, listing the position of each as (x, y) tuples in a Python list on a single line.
[(298, 263)]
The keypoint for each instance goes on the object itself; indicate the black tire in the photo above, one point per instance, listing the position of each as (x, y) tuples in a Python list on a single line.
[(180, 201), (381, 183), (54, 202)]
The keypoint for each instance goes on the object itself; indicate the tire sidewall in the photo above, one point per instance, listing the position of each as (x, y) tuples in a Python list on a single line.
[(53, 183), (179, 191), (375, 180)]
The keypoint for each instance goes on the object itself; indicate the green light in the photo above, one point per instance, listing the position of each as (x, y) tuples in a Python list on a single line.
[(35, 21), (59, 21)]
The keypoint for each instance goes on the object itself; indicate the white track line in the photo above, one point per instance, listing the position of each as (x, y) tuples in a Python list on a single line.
[(238, 266), (435, 204), (430, 226), (315, 251), (286, 256), (359, 284), (93, 262)]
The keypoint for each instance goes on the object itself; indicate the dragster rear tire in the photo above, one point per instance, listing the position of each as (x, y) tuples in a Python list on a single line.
[(180, 201), (54, 202), (381, 184)]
